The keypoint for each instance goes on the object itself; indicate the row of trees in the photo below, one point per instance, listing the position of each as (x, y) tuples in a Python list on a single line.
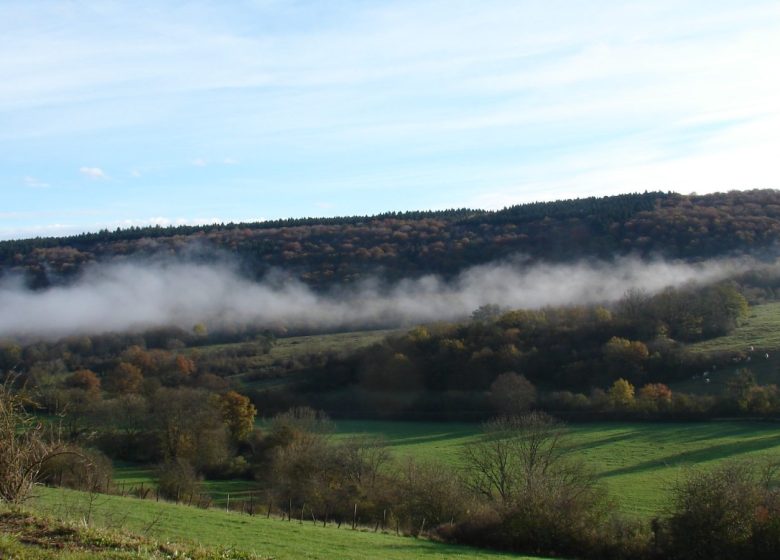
[(446, 370)]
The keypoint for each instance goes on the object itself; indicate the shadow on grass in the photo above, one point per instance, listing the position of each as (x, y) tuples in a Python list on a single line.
[(715, 452), (573, 445), (432, 438)]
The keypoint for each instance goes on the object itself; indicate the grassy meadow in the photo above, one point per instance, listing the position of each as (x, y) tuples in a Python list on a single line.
[(761, 331), (639, 462), (273, 538), (288, 348)]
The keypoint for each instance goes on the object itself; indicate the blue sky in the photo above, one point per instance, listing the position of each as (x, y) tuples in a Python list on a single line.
[(128, 113)]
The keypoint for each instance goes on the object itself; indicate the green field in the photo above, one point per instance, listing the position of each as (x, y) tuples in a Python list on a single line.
[(639, 462), (761, 331), (132, 479), (278, 539), (291, 346), (296, 346)]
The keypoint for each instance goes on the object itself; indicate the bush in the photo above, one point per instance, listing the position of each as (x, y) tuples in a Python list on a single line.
[(25, 446), (732, 511), (81, 469), (177, 480), (542, 502)]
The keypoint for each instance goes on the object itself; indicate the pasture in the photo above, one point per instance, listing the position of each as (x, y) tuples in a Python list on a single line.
[(761, 330), (289, 348), (638, 462), (275, 538), (755, 345)]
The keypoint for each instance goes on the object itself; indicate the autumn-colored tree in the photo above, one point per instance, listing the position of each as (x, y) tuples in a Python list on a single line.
[(625, 357), (654, 397), (621, 394), (85, 380), (656, 392), (139, 357), (740, 385), (238, 413), (190, 427), (185, 366), (126, 378)]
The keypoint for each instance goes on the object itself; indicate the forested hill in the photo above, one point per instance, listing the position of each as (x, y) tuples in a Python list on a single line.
[(322, 251)]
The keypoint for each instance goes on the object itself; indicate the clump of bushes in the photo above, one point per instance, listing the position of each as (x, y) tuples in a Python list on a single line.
[(732, 511)]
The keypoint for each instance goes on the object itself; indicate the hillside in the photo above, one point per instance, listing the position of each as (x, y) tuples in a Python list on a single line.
[(31, 536), (274, 537), (324, 252)]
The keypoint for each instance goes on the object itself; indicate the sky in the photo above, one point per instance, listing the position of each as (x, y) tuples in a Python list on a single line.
[(115, 114)]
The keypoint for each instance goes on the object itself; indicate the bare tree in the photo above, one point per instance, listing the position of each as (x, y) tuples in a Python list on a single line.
[(539, 496), (515, 456), (25, 445)]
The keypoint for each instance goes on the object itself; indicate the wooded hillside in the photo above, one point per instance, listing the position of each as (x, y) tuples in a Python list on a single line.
[(323, 251)]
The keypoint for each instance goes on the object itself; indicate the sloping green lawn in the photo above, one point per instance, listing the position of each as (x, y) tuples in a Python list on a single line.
[(281, 540)]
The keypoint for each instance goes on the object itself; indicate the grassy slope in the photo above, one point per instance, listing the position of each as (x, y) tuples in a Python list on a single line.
[(130, 478), (26, 535), (638, 461), (290, 347), (267, 537), (761, 331)]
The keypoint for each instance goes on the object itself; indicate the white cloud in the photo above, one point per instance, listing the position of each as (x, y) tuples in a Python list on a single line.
[(135, 173), (132, 295), (34, 183), (93, 173), (528, 99)]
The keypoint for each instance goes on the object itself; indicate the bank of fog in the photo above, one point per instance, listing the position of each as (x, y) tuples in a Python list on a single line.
[(134, 296)]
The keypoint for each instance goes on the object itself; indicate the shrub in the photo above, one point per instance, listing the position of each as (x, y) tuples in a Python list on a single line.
[(25, 447), (81, 469), (732, 511), (177, 480)]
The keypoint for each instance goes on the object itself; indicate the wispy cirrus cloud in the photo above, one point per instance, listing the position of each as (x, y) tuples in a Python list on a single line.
[(34, 183), (93, 173), (526, 100)]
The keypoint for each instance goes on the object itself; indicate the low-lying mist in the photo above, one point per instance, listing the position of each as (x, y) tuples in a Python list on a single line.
[(136, 296)]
